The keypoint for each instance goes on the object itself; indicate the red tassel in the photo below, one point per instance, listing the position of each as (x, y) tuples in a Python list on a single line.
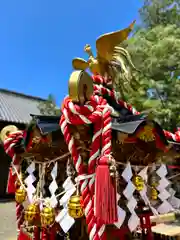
[(44, 235), (11, 188), (52, 234), (23, 236), (36, 233), (105, 194)]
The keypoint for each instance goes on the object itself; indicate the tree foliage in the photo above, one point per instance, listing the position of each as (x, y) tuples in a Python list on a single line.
[(160, 12), (155, 50), (49, 107)]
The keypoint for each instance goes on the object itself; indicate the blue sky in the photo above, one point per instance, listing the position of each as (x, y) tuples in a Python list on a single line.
[(39, 38)]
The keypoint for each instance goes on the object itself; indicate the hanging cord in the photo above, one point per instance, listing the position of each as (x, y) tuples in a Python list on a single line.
[(39, 187), (19, 177), (77, 188), (42, 169), (78, 179)]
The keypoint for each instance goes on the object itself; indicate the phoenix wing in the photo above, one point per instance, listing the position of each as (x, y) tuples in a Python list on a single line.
[(114, 60), (106, 43), (80, 64)]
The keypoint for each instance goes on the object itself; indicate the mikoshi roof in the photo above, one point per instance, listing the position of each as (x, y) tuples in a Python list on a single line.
[(127, 124), (17, 107)]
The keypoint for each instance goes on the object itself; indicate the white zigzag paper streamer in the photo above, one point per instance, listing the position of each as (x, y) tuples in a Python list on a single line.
[(121, 214), (30, 180), (174, 201), (53, 186), (63, 218), (165, 207), (133, 221)]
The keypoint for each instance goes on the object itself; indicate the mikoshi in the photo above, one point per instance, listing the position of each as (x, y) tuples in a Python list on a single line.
[(98, 170)]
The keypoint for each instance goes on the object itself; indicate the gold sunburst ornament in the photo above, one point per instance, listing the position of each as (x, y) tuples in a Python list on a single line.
[(146, 134)]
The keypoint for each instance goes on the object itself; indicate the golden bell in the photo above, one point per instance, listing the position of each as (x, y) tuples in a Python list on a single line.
[(138, 182), (75, 207), (154, 193), (31, 213), (47, 216), (20, 195)]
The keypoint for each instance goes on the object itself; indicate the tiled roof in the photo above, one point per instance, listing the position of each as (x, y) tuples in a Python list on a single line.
[(16, 107)]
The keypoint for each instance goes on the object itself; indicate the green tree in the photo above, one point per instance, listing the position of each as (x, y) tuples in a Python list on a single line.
[(155, 50), (160, 12), (49, 107)]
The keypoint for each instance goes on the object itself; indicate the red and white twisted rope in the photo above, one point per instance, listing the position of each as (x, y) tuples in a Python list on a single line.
[(172, 136), (92, 112), (9, 144), (102, 90), (19, 215)]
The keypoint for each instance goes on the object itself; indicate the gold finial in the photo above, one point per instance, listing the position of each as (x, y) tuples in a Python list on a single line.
[(93, 63), (105, 47), (88, 50)]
